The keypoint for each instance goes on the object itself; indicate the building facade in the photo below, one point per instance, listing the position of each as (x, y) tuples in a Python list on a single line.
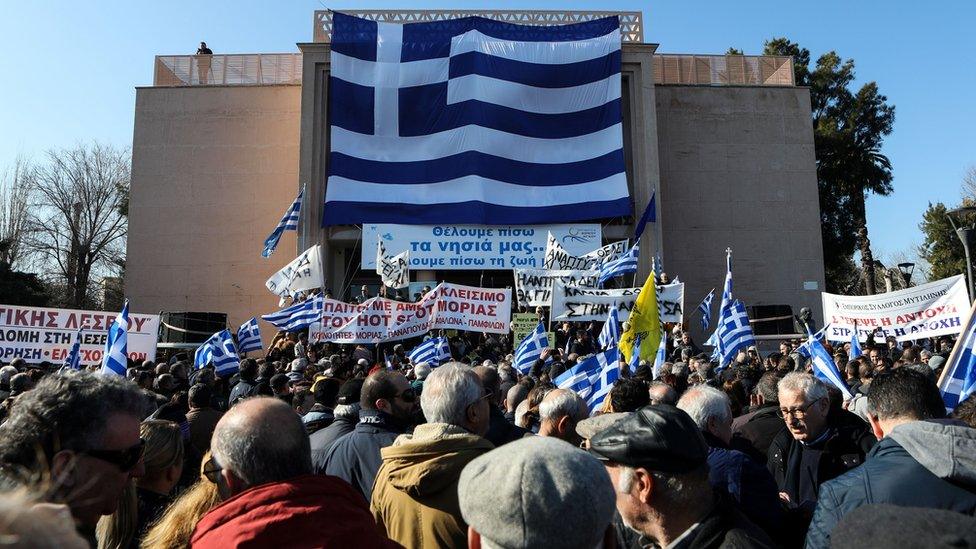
[(221, 146)]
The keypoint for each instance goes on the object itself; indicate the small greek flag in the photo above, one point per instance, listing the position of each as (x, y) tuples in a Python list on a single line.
[(603, 383), (219, 349), (734, 333), (659, 358), (958, 381), (580, 378), (115, 361), (705, 308), (610, 334), (625, 264), (297, 317), (824, 367), (855, 345), (73, 360), (713, 340), (530, 349), (434, 351), (249, 336), (804, 348), (289, 222), (635, 353)]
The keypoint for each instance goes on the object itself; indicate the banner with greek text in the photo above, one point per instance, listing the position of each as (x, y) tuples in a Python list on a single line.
[(473, 247), (38, 334), (394, 270), (576, 304), (533, 287), (302, 273), (448, 306), (930, 310)]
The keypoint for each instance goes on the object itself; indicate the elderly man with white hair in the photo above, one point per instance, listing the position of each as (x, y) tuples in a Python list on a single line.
[(559, 413), (819, 444), (747, 482), (415, 497)]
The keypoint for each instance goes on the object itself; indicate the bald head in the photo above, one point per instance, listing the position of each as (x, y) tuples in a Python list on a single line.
[(262, 440), (490, 381)]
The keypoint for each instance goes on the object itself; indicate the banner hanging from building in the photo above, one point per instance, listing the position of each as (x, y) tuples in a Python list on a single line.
[(39, 334), (473, 247), (930, 310), (576, 304), (533, 287), (448, 306)]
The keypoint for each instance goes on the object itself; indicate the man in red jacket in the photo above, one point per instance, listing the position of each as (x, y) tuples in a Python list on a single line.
[(261, 464)]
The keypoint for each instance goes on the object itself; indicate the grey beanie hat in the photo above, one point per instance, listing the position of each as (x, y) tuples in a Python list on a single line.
[(537, 492), (936, 362)]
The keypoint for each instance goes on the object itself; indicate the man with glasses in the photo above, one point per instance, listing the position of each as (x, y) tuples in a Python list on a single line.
[(415, 497), (82, 431), (389, 408), (818, 444)]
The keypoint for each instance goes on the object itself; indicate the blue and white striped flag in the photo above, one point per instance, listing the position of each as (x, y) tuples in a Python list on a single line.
[(610, 334), (73, 360), (476, 121), (635, 353), (289, 222), (625, 264), (660, 357), (220, 350), (824, 367), (705, 308), (602, 383), (115, 361), (434, 351), (249, 336), (855, 347), (804, 348), (530, 349), (297, 317), (734, 333), (580, 378), (958, 381), (723, 307)]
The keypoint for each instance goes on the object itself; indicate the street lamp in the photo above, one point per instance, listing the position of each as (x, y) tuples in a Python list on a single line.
[(966, 231), (906, 268)]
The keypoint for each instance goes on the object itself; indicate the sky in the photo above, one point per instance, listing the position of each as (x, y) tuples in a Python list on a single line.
[(70, 69)]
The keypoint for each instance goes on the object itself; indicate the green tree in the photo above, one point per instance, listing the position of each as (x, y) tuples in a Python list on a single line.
[(849, 130), (941, 247)]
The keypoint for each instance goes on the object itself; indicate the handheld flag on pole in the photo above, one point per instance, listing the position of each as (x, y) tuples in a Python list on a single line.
[(289, 222), (220, 350), (584, 378), (434, 351), (705, 308), (73, 360), (625, 264), (249, 336), (659, 358), (734, 333), (713, 340), (610, 334), (297, 317), (824, 367), (650, 215), (530, 349), (958, 381), (635, 355), (115, 361), (603, 382), (644, 322), (855, 347)]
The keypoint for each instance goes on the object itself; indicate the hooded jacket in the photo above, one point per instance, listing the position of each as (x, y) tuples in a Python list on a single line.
[(415, 499), (306, 511), (919, 464)]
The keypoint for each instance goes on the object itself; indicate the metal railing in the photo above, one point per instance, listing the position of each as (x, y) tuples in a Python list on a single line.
[(249, 69), (723, 70), (631, 22)]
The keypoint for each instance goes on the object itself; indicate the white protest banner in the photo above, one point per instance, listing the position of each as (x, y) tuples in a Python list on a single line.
[(302, 273), (533, 287), (930, 310), (38, 334), (394, 270), (609, 252), (557, 258), (448, 306), (455, 247), (575, 304)]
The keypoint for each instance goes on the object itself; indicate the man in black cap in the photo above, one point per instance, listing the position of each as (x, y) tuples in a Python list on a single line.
[(346, 415), (657, 460)]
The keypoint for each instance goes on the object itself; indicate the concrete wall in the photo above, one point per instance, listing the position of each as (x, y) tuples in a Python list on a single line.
[(213, 169), (738, 171)]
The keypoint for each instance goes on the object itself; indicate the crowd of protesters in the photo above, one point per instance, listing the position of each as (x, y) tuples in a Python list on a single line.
[(318, 445)]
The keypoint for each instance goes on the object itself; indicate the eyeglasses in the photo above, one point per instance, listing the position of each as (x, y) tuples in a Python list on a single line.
[(795, 412), (125, 460), (211, 470), (408, 395)]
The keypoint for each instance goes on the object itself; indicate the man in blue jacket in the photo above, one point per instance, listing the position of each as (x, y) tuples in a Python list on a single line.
[(917, 463)]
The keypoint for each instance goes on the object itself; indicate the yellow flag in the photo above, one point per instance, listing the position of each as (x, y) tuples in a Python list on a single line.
[(644, 323)]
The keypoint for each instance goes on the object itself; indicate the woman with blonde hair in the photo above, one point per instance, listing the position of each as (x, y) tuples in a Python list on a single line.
[(146, 497), (175, 528)]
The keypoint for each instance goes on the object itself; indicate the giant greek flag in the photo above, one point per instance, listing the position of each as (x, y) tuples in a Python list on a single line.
[(474, 121)]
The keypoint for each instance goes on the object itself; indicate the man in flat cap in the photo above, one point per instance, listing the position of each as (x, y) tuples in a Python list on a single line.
[(657, 460)]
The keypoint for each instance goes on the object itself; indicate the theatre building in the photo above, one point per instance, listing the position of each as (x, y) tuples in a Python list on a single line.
[(223, 143)]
